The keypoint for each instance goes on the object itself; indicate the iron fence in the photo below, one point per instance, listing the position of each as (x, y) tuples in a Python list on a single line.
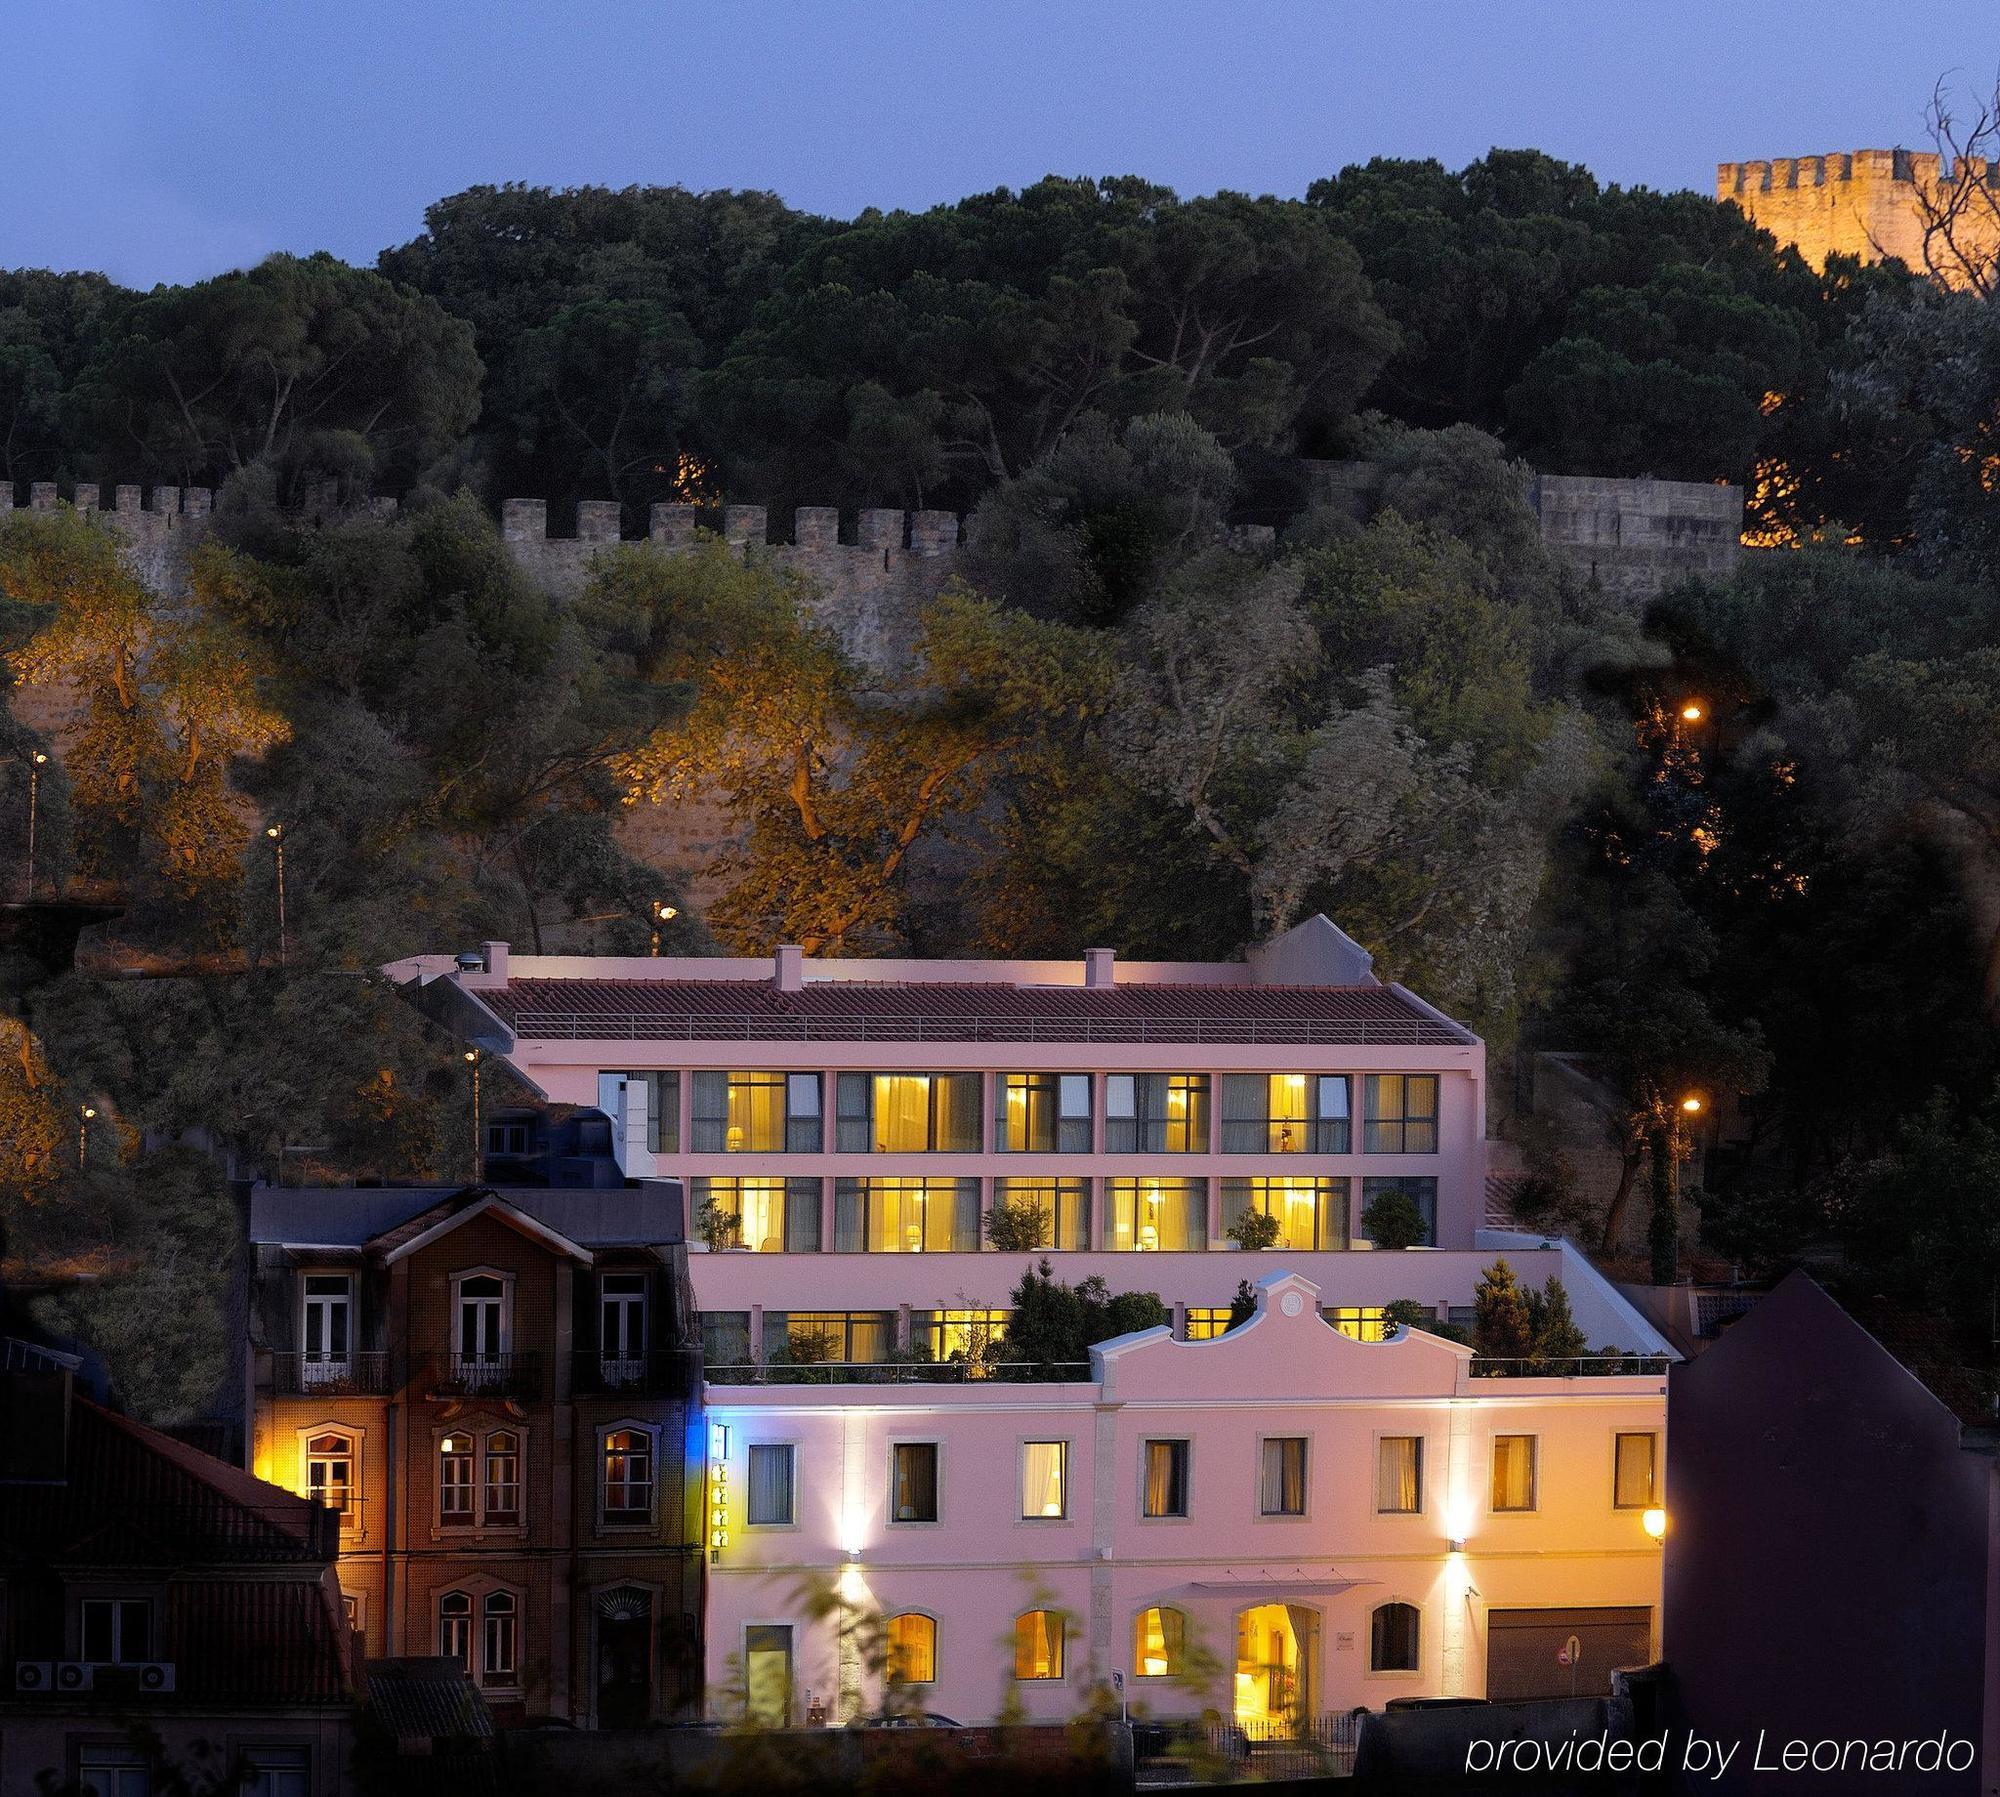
[(295, 1374)]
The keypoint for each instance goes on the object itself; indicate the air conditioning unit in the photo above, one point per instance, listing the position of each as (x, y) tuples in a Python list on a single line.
[(156, 1677), (34, 1675), (75, 1675)]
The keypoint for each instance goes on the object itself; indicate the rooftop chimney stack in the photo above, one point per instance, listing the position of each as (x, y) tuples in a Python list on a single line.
[(496, 962), (789, 968), (1100, 967)]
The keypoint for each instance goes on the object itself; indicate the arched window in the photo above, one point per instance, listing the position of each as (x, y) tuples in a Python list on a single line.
[(455, 1477), (455, 1628), (1038, 1644), (912, 1649), (628, 1475), (503, 1476), (499, 1637), (330, 1470), (1392, 1638), (1159, 1642)]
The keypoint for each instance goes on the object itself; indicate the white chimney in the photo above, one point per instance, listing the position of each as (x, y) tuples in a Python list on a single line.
[(1099, 967), (789, 969), (496, 962)]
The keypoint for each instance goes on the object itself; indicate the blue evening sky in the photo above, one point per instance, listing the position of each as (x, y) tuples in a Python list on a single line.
[(169, 139)]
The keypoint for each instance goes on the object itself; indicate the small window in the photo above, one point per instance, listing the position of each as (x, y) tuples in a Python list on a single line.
[(503, 1477), (276, 1772), (509, 1138), (1402, 1115), (455, 1479), (1038, 1644), (117, 1631), (499, 1638), (1044, 1479), (912, 1645), (1513, 1472), (330, 1471), (628, 1475), (1205, 1323), (663, 1111), (1399, 1475), (1159, 1642), (1284, 1476), (455, 1628), (915, 1481), (1166, 1479), (771, 1500), (112, 1769), (1633, 1477), (1392, 1638)]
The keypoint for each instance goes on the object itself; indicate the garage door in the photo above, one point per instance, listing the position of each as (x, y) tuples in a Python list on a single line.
[(1526, 1651)]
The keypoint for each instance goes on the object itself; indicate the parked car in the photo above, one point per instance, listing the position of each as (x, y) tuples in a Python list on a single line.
[(907, 1719)]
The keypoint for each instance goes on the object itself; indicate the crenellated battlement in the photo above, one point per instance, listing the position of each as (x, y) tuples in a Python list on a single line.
[(171, 507), (814, 527)]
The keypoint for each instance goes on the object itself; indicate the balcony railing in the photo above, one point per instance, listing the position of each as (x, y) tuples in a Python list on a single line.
[(330, 1375), (896, 1372), (485, 1376), (1572, 1366), (1352, 1032), (663, 1373)]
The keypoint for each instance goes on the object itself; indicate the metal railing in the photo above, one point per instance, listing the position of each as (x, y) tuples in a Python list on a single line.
[(1568, 1366), (701, 1026), (485, 1376), (1177, 1752), (662, 1373), (897, 1372), (295, 1374)]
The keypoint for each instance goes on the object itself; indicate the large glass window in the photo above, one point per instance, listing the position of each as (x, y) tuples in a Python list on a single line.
[(908, 1113), (663, 1110), (725, 1338), (1392, 1638), (1038, 1644), (1044, 1479), (769, 1216), (628, 1475), (1285, 1113), (455, 1628), (1421, 1191), (117, 1631), (1164, 1479), (810, 1337), (1064, 1205), (1159, 1642), (499, 1618), (328, 1327), (1633, 1480), (906, 1216), (1359, 1322), (1163, 1215), (772, 1499), (913, 1481), (1513, 1472), (1311, 1212), (1205, 1322), (1156, 1113), (1042, 1113), (1399, 1475), (755, 1113), (455, 1454), (957, 1334), (503, 1477), (1282, 1476), (912, 1645), (330, 1471), (1402, 1114)]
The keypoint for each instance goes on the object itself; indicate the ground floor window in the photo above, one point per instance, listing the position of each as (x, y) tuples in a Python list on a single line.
[(1038, 1644), (1274, 1664), (276, 1772), (767, 1674), (912, 1644), (1392, 1638), (107, 1770), (1159, 1642)]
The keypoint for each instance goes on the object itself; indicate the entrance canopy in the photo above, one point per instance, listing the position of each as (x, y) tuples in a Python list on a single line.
[(1269, 1588)]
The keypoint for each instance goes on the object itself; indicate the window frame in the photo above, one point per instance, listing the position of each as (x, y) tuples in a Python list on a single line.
[(889, 1677), (505, 1516), (1131, 1186), (1264, 1512), (506, 1677), (1423, 1481), (1162, 1609), (504, 1329), (1152, 1133), (1065, 1463), (348, 1299), (1070, 1131), (1382, 1133), (1416, 1667), (935, 1520), (789, 1446), (1493, 1505), (350, 1512), (1185, 1513), (443, 1451), (627, 1520), (1061, 1645), (1652, 1436), (117, 1606)]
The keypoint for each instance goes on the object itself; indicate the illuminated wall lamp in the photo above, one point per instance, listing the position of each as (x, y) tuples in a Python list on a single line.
[(1654, 1522)]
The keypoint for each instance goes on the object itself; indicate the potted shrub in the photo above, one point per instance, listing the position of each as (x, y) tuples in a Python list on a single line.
[(1255, 1229), (1393, 1221), (1016, 1228), (719, 1228)]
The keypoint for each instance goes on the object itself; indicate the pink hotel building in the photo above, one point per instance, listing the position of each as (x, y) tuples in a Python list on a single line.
[(1326, 1511)]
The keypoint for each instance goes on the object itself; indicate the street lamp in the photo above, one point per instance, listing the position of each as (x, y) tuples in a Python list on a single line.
[(36, 762), (84, 1113), (1693, 711), (663, 913), (472, 1061), (276, 834)]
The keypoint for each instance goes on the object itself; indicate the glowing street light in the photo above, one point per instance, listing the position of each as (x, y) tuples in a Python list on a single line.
[(663, 913), (1693, 712), (1692, 1105), (472, 1061), (84, 1113), (36, 762), (276, 835)]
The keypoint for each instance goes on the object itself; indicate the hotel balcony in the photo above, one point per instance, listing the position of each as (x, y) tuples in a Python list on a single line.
[(516, 1376), (296, 1375)]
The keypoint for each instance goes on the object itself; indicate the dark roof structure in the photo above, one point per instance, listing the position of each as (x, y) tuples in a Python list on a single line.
[(430, 1701), (379, 1218)]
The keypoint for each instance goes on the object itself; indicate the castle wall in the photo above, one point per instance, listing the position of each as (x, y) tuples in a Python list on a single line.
[(1855, 203), (1637, 537)]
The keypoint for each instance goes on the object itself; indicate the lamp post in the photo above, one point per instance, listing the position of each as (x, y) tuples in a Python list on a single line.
[(663, 913), (472, 1061), (1669, 1144), (37, 760), (84, 1113), (276, 834)]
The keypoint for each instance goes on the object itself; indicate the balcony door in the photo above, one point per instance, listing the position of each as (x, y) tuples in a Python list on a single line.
[(482, 1329), (622, 1327), (329, 1324)]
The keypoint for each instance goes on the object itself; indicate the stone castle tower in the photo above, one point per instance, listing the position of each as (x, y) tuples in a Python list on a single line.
[(1861, 203)]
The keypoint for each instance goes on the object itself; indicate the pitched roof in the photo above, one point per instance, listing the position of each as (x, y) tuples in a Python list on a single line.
[(462, 1208), (849, 1010), (361, 1216), (428, 1699), (280, 1641)]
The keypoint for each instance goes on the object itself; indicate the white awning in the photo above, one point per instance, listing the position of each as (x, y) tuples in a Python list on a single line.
[(1276, 1588)]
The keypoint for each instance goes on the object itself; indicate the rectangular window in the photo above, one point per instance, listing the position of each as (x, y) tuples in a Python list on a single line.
[(1633, 1479), (108, 1769), (330, 1472), (772, 1501), (767, 1216), (1311, 1212), (813, 1337), (1042, 1113), (908, 1113), (455, 1479), (1399, 1475), (725, 1338), (1402, 1113), (1156, 1113), (621, 1324), (663, 1111), (965, 1335), (628, 1475), (1285, 1113), (1283, 1476), (1513, 1472), (1165, 1476), (1360, 1322), (1156, 1215), (327, 1331), (755, 1113), (1204, 1325), (509, 1138), (502, 1494), (1064, 1205), (117, 1631), (1421, 1192), (276, 1772), (1044, 1479), (906, 1216), (913, 1481)]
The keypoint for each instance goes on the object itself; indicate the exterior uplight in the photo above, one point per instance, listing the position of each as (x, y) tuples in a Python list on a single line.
[(1654, 1522)]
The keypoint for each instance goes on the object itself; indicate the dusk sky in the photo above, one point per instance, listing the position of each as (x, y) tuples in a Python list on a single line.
[(165, 142)]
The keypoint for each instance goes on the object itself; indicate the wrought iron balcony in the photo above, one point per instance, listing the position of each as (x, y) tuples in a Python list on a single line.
[(322, 1375), (662, 1373), (516, 1376)]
